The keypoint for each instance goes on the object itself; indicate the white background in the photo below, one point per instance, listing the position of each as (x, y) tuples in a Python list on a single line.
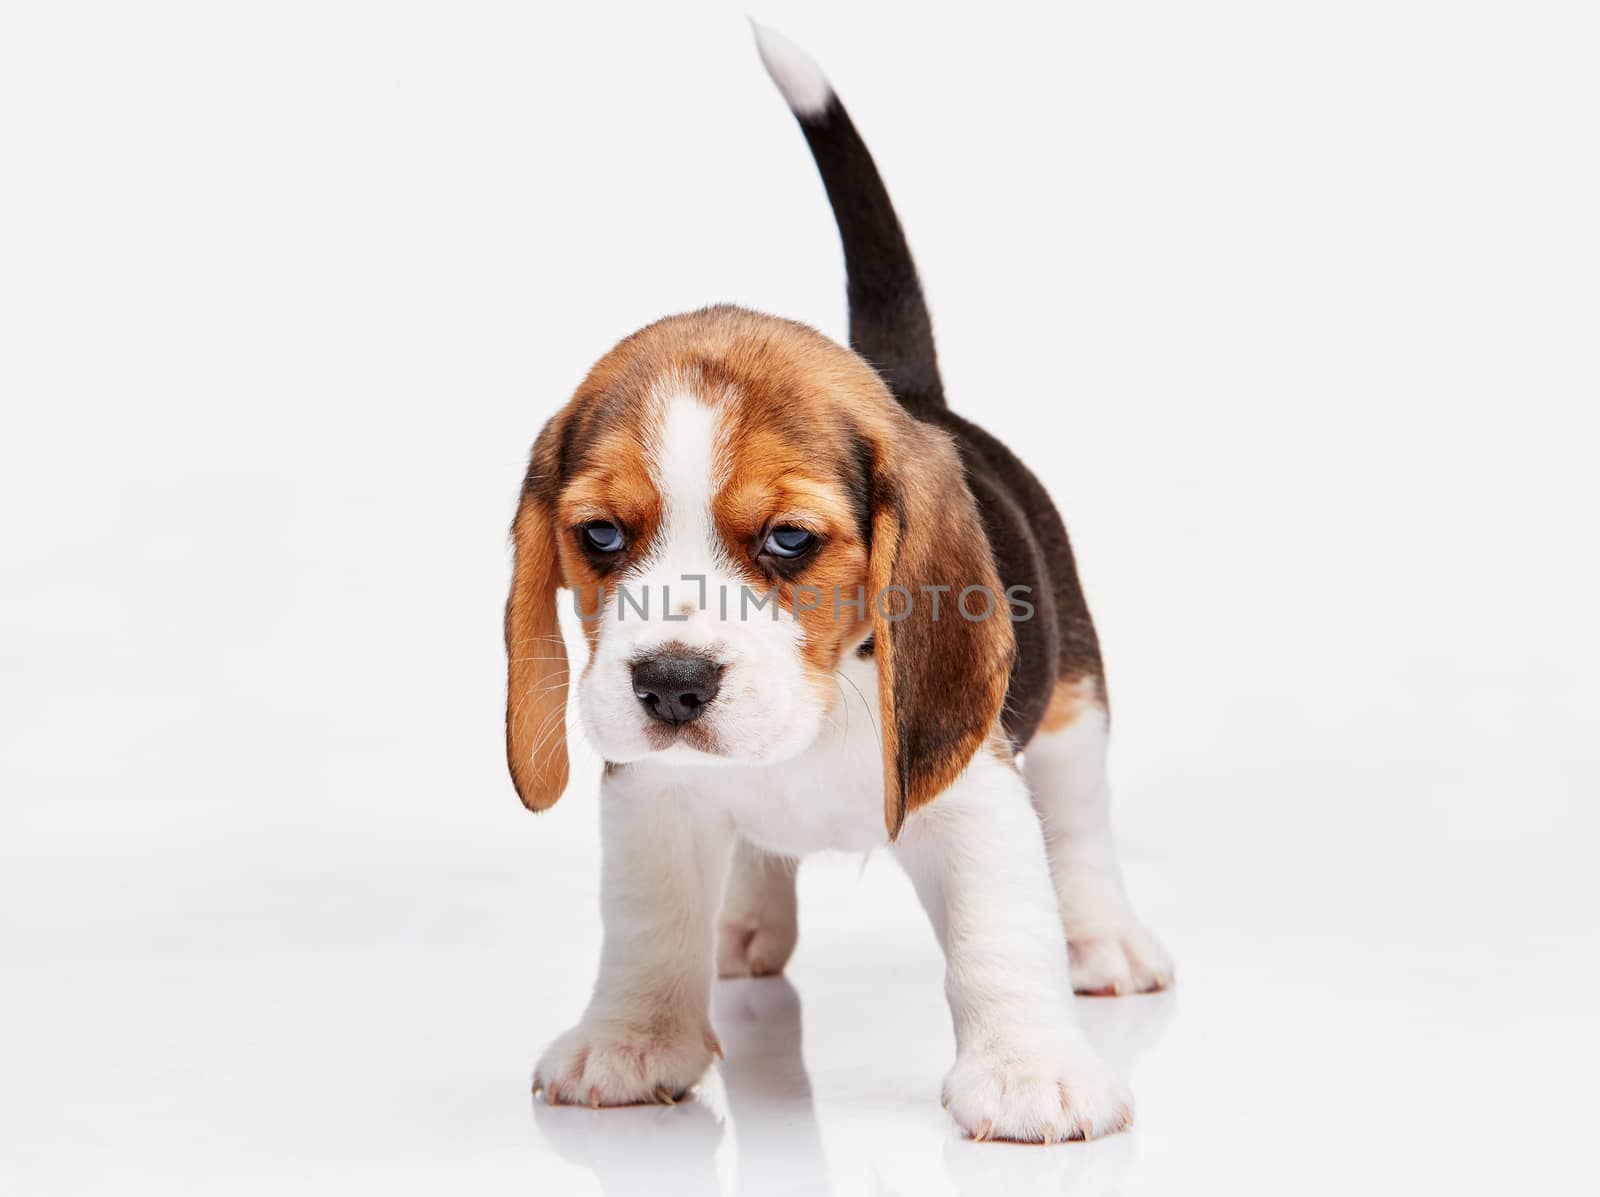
[(1293, 306)]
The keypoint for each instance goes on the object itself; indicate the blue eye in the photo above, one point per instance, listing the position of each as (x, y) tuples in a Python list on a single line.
[(603, 536), (789, 542)]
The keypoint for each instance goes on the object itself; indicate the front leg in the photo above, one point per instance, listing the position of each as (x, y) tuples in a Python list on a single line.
[(1023, 1069), (646, 1035)]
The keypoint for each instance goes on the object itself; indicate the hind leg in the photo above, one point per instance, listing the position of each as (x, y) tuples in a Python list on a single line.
[(1111, 952), (759, 925)]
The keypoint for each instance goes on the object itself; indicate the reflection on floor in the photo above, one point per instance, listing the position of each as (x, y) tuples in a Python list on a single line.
[(763, 1096), (1334, 1029)]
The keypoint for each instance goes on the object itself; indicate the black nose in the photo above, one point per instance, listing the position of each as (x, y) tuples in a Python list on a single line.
[(676, 687)]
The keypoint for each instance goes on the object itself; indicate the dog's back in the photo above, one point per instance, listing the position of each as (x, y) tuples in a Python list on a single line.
[(1058, 654)]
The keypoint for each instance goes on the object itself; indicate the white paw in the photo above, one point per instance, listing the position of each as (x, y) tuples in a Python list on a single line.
[(1034, 1092), (605, 1063), (758, 946), (1109, 962)]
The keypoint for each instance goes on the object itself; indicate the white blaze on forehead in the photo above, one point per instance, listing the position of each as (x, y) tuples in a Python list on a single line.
[(686, 468)]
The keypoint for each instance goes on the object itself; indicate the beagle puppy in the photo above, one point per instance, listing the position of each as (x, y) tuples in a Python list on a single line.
[(822, 611)]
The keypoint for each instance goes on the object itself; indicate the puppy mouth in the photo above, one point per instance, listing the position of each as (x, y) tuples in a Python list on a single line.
[(662, 736)]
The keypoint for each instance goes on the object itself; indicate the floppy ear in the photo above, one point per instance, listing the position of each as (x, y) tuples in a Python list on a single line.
[(941, 677), (536, 688)]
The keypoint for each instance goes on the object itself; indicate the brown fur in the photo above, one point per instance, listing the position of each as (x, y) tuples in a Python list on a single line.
[(940, 683), (536, 734), (1069, 699)]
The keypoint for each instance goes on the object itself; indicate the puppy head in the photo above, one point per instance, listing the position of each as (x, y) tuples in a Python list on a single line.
[(735, 503)]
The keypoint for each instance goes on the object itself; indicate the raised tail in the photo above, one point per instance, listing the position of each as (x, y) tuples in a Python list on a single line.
[(889, 324)]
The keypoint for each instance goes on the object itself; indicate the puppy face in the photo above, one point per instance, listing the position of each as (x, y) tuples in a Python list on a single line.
[(726, 496), (686, 561)]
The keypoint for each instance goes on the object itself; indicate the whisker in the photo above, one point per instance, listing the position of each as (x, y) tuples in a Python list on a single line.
[(535, 692), (872, 722), (844, 703), (552, 722), (546, 636)]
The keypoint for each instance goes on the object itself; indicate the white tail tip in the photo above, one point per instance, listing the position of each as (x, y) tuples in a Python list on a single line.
[(800, 80)]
